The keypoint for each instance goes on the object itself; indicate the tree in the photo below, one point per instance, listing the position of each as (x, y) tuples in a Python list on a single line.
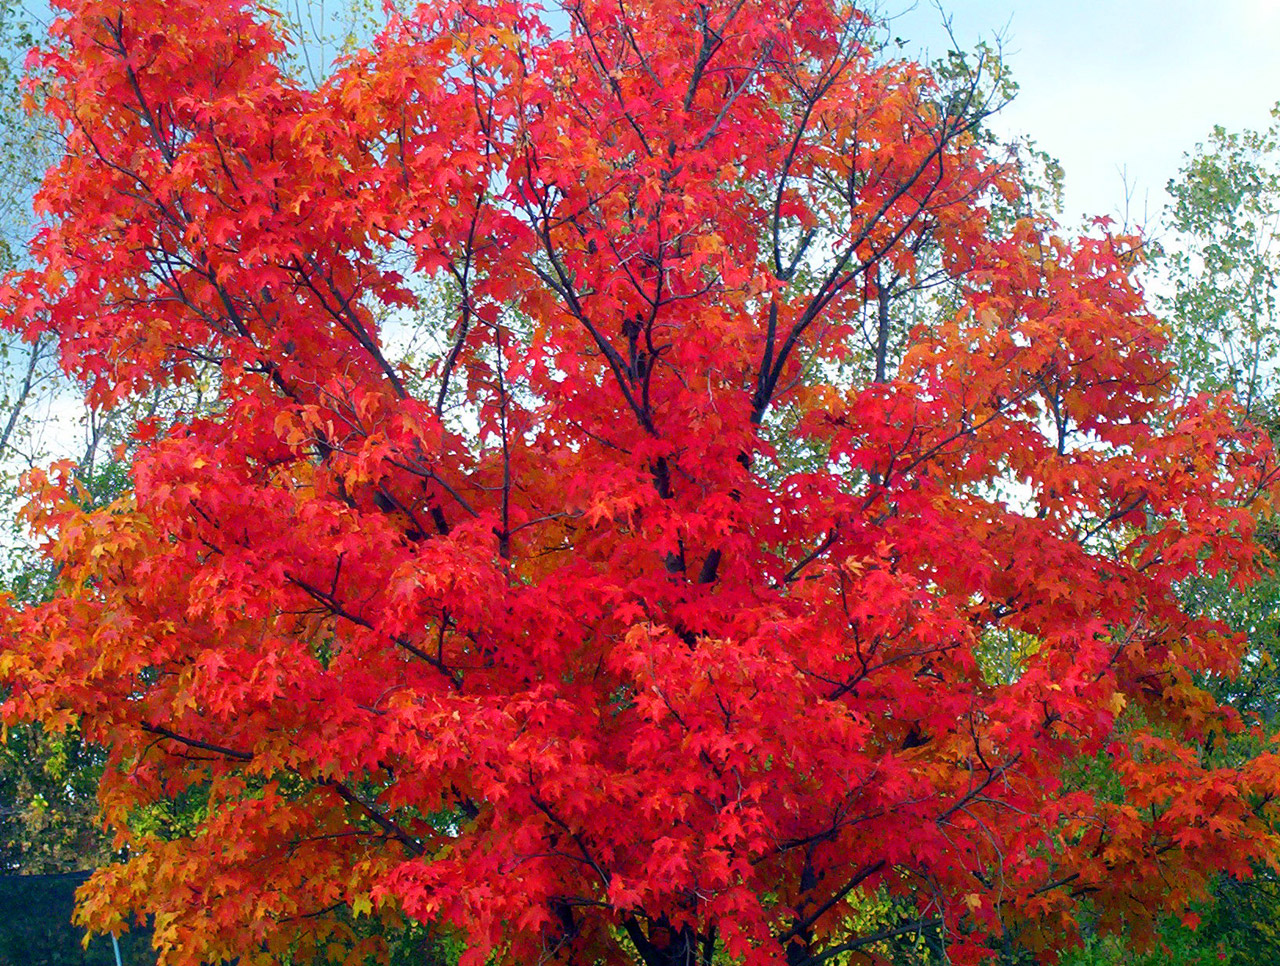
[(1223, 263), (48, 809), (1220, 268), (534, 640)]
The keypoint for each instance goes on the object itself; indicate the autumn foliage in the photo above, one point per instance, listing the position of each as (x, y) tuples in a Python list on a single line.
[(590, 551)]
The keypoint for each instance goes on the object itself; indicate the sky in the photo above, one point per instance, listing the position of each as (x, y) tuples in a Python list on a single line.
[(1118, 90)]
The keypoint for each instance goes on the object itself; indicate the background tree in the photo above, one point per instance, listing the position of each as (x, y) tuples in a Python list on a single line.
[(1217, 274), (536, 641), (1223, 254), (1222, 267)]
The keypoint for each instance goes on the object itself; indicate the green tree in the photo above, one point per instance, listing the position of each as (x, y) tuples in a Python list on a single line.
[(1222, 262), (1219, 266)]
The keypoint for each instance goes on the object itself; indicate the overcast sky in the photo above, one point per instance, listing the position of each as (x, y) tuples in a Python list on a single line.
[(1119, 85)]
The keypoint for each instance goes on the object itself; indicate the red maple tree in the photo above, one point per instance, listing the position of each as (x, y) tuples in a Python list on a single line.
[(675, 600)]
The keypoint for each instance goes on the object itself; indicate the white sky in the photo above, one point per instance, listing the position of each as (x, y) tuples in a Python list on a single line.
[(1119, 85)]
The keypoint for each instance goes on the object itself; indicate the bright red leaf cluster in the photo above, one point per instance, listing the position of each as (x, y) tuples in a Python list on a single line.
[(676, 596)]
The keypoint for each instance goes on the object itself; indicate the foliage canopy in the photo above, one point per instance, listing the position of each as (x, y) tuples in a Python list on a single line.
[(671, 596)]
